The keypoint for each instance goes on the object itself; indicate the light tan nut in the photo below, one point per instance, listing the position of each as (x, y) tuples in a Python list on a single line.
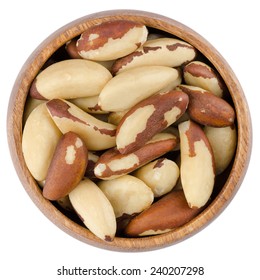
[(173, 130), (65, 203), (96, 134), (30, 105), (116, 117), (160, 175), (127, 194), (197, 169), (130, 87), (148, 118), (223, 141), (152, 36), (207, 108), (174, 83), (162, 51), (112, 39), (94, 209), (169, 212), (107, 64), (41, 183), (88, 104), (67, 167), (39, 140), (112, 164), (199, 74), (69, 79)]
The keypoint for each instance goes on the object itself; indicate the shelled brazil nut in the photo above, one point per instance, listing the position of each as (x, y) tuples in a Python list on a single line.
[(131, 131)]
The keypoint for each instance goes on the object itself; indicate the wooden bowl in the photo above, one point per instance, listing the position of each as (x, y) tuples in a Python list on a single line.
[(231, 181)]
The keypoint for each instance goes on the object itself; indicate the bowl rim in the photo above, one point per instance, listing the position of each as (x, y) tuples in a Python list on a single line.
[(14, 129)]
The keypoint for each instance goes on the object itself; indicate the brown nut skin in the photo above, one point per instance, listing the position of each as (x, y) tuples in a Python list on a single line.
[(148, 118), (113, 164), (71, 48), (207, 108), (67, 167), (170, 212), (111, 39)]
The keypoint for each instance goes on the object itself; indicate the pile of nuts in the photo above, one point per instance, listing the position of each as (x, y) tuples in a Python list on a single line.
[(129, 130)]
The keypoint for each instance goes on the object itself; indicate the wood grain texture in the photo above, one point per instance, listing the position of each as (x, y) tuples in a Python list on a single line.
[(14, 129)]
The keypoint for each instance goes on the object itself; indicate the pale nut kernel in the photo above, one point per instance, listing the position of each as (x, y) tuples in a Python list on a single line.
[(72, 78), (94, 209), (207, 108), (160, 175), (67, 167), (161, 51), (223, 141), (148, 118), (116, 117), (127, 194), (197, 169), (113, 164), (111, 40), (88, 104), (130, 87), (30, 105), (169, 212), (199, 74), (39, 140), (96, 134)]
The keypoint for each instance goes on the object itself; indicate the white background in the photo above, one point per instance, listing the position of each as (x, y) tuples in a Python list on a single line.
[(33, 247)]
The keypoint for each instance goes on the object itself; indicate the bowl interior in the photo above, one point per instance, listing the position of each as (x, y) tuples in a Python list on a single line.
[(52, 49)]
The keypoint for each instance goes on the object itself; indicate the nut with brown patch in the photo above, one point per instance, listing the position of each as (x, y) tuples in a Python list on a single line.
[(148, 118), (127, 194), (163, 51), (207, 108), (160, 175), (72, 78), (197, 169), (169, 212), (113, 164), (130, 87), (30, 105), (94, 209), (88, 104), (96, 134), (112, 39), (199, 74), (39, 140), (67, 167)]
